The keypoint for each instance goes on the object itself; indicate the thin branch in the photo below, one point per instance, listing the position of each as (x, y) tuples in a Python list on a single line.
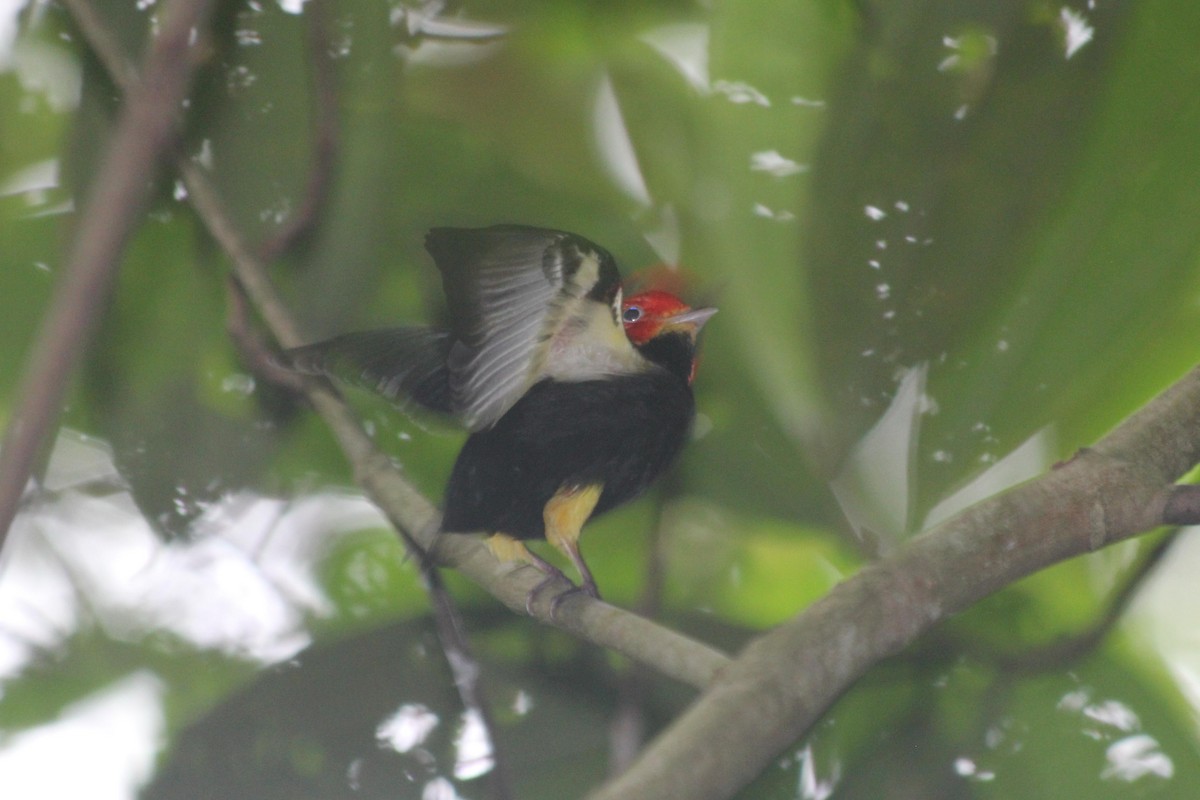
[(627, 730), (782, 683), (104, 44), (254, 352), (325, 136), (1183, 506), (1067, 651), (447, 621), (145, 132), (467, 676)]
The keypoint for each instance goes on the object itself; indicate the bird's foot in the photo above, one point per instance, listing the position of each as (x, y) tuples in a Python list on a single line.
[(531, 598), (552, 575), (506, 548), (588, 587)]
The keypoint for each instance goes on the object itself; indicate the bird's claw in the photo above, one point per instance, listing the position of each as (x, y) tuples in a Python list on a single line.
[(531, 598), (587, 587)]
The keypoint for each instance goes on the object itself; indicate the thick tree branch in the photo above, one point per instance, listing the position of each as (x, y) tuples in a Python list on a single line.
[(781, 684), (146, 130)]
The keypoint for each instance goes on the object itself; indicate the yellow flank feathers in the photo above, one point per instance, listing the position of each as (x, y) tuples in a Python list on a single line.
[(505, 548), (566, 513)]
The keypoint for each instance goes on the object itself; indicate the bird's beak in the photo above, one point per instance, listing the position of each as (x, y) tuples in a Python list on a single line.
[(692, 320)]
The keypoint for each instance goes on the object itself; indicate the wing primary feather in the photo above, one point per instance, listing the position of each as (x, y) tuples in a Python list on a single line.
[(509, 289)]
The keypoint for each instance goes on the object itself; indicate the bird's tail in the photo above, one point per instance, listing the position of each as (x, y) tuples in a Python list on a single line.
[(405, 365)]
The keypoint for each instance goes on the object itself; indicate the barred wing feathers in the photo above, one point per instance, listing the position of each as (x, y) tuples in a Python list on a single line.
[(512, 290)]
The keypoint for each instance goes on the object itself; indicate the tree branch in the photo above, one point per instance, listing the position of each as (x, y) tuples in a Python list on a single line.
[(781, 684), (146, 130), (627, 728), (325, 137)]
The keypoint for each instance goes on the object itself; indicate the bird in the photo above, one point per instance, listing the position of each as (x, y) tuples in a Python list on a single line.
[(576, 397)]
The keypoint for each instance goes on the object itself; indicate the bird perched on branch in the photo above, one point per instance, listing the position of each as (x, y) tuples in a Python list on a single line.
[(577, 398)]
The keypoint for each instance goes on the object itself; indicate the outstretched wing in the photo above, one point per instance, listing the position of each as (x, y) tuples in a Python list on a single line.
[(400, 363), (515, 295)]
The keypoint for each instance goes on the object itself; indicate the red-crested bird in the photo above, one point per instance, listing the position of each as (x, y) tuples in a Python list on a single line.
[(577, 399)]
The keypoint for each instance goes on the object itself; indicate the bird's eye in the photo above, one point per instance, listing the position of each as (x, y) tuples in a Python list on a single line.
[(632, 314)]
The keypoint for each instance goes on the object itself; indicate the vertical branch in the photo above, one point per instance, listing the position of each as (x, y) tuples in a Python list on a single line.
[(627, 730), (146, 131)]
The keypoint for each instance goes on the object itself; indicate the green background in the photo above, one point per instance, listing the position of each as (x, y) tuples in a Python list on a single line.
[(952, 212)]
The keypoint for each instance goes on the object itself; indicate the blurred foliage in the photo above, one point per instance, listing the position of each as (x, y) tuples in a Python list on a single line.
[(1000, 194)]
